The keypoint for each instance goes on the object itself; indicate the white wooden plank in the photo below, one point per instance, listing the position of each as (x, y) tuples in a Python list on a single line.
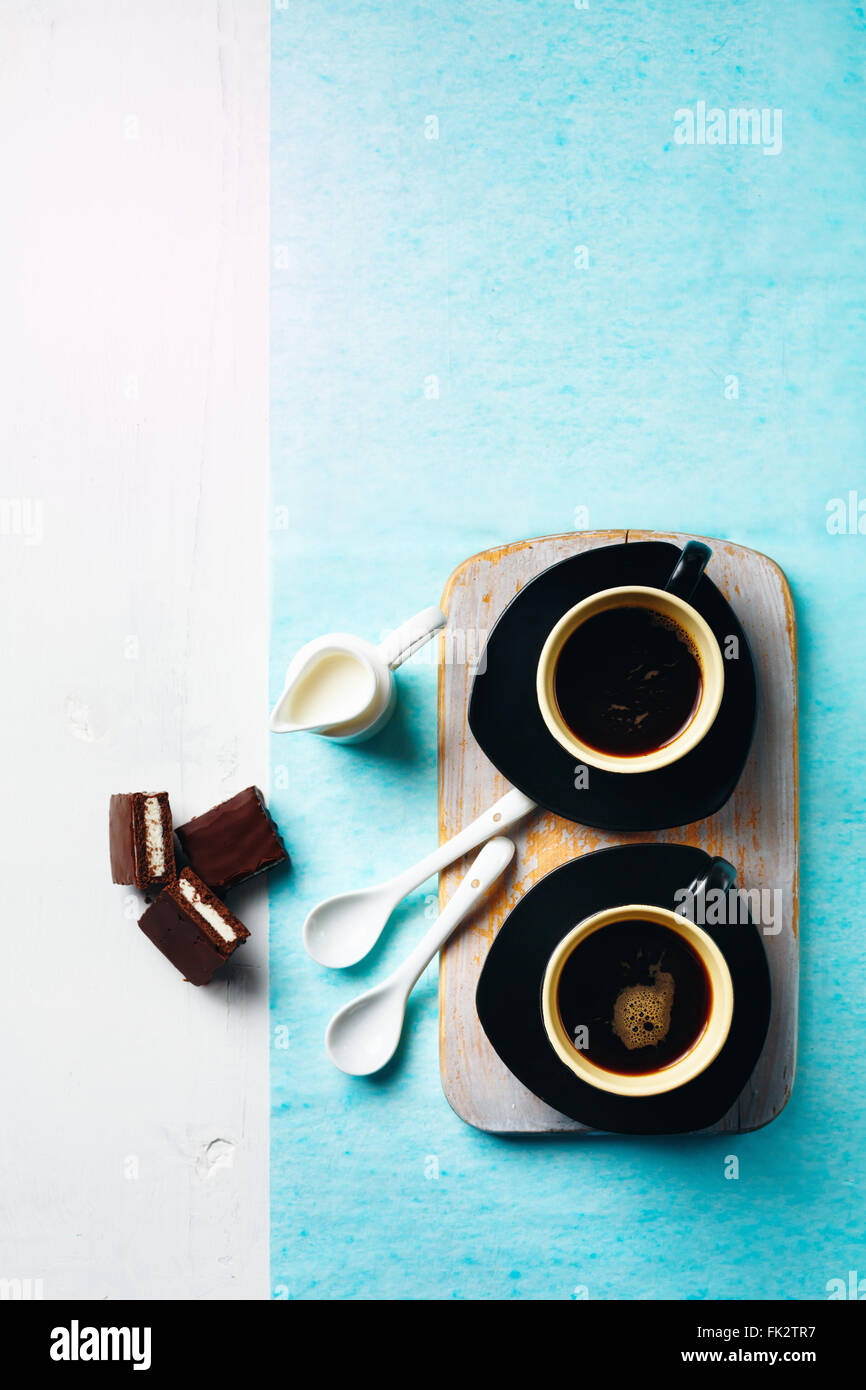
[(134, 278)]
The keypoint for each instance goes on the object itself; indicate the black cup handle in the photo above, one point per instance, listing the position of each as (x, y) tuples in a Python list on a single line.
[(719, 875), (688, 569)]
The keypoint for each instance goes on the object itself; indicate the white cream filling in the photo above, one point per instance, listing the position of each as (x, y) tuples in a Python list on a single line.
[(210, 914), (153, 837)]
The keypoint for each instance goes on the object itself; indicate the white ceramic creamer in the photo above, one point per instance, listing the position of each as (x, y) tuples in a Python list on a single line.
[(343, 687)]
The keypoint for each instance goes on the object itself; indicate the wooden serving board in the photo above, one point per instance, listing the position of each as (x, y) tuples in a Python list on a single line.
[(756, 830)]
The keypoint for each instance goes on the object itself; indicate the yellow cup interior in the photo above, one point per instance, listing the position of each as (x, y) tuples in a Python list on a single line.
[(705, 646), (685, 1068)]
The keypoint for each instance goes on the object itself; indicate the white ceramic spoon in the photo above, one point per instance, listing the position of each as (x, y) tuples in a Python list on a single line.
[(341, 930), (364, 1035)]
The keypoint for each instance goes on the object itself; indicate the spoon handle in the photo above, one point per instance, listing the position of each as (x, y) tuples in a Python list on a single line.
[(483, 873), (499, 817)]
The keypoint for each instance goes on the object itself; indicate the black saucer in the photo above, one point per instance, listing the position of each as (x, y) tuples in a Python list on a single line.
[(508, 997), (507, 723)]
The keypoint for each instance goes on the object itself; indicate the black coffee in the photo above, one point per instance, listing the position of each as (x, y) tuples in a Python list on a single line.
[(634, 997), (628, 681)]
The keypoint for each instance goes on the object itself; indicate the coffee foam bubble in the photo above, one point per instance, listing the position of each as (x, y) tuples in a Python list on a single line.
[(677, 630), (642, 1013)]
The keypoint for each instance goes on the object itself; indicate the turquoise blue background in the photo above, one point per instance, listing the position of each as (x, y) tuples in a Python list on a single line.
[(398, 258)]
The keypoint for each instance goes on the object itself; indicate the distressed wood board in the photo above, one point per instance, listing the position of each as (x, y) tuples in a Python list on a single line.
[(756, 830)]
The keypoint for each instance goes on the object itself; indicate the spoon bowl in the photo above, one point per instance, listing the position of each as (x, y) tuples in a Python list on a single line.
[(341, 930), (364, 1034)]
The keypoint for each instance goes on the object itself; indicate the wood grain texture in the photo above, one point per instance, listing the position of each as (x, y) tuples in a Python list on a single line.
[(756, 830)]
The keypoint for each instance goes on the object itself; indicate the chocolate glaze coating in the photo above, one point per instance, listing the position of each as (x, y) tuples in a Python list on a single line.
[(127, 842), (121, 837), (172, 931), (233, 841), (177, 929)]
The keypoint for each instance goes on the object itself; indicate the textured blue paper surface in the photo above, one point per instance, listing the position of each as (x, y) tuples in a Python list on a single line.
[(451, 371)]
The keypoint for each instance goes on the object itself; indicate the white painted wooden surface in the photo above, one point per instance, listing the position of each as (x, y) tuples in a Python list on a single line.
[(756, 830), (133, 562)]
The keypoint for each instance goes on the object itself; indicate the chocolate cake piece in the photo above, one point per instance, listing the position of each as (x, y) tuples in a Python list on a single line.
[(233, 841), (192, 928), (140, 839)]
